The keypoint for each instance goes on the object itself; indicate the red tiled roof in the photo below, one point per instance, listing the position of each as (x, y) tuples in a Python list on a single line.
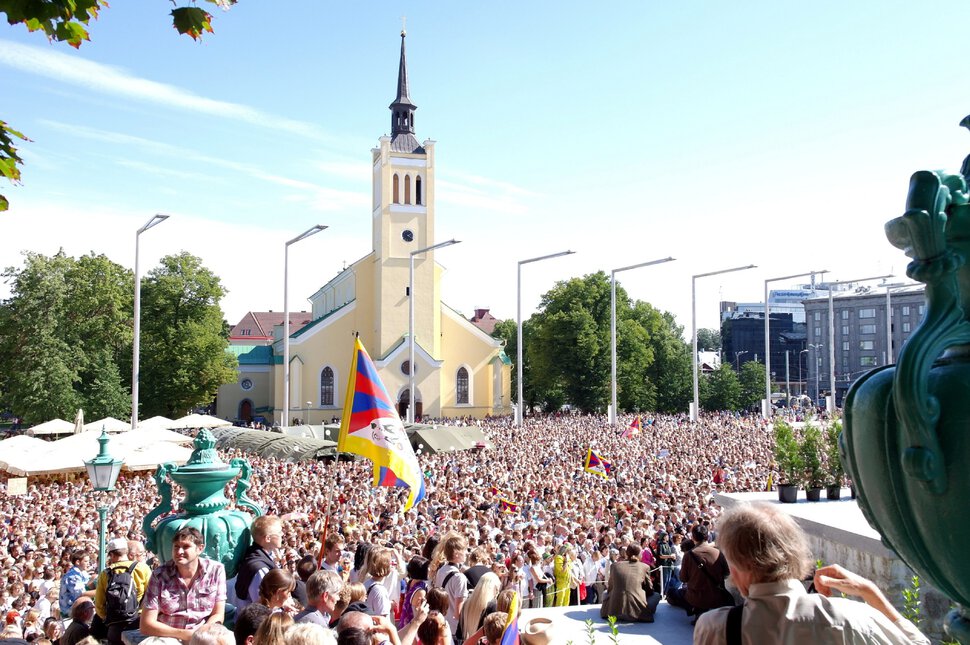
[(484, 321), (258, 325)]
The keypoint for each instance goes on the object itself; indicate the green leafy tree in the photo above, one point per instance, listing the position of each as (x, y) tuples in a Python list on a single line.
[(752, 379), (671, 370), (184, 339), (720, 390), (67, 21), (708, 340), (65, 337)]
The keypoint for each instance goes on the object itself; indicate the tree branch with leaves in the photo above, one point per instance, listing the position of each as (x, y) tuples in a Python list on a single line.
[(67, 21)]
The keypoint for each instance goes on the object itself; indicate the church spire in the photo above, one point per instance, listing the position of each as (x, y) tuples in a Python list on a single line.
[(402, 109)]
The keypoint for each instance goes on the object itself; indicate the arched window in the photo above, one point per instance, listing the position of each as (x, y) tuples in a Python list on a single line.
[(461, 386), (397, 198), (418, 198), (407, 189), (326, 386)]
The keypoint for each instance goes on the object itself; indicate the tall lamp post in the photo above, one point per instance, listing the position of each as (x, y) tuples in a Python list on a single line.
[(830, 401), (103, 472), (693, 328), (136, 341), (766, 406), (518, 343), (818, 368), (888, 358), (801, 384), (737, 357), (411, 401), (613, 329), (313, 230)]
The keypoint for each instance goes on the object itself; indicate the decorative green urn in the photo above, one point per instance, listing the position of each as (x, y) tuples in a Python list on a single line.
[(204, 478), (906, 442)]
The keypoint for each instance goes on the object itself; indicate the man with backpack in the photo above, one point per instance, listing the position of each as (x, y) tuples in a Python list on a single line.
[(121, 585)]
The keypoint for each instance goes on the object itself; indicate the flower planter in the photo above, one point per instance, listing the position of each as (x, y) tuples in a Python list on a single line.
[(787, 493), (833, 492), (813, 494)]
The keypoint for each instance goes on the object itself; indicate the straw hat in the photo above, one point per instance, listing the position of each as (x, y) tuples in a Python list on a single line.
[(537, 631)]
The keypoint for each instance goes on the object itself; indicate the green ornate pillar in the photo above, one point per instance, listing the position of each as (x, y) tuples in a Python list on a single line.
[(906, 442), (204, 478)]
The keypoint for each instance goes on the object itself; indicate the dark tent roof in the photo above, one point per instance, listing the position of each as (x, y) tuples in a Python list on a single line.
[(264, 443)]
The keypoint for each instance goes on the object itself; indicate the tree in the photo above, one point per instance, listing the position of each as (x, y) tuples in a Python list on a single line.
[(708, 340), (67, 21), (65, 337), (183, 336), (720, 390), (752, 380), (568, 351)]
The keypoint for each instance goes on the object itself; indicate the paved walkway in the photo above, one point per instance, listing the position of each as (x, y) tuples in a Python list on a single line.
[(671, 626)]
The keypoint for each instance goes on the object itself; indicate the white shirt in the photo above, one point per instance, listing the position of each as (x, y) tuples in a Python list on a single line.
[(783, 613)]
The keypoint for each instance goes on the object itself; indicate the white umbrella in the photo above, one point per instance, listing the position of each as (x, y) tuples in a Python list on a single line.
[(200, 421), (155, 422), (110, 424), (54, 426)]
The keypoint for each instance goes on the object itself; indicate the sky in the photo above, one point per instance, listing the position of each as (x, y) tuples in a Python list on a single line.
[(722, 134)]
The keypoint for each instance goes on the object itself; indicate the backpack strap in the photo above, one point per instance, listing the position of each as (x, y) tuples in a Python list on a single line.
[(733, 627), (451, 574)]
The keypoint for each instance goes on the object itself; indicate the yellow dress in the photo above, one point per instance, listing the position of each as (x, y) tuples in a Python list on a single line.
[(561, 574)]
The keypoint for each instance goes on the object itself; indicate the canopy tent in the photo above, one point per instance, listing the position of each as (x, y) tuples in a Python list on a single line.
[(199, 421), (274, 444), (435, 439), (330, 431), (110, 424), (141, 450), (54, 426)]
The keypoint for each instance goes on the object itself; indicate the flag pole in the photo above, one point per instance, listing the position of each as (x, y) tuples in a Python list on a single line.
[(336, 459)]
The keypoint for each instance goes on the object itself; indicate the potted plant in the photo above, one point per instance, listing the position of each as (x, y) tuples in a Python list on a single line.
[(788, 460), (834, 461), (810, 451)]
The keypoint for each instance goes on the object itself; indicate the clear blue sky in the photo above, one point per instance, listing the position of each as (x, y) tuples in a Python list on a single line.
[(720, 133)]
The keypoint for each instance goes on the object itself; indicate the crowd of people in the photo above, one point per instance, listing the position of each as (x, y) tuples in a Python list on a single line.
[(521, 515)]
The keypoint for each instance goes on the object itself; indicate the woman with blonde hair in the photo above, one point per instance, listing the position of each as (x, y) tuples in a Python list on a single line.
[(272, 631), (480, 603), (309, 634)]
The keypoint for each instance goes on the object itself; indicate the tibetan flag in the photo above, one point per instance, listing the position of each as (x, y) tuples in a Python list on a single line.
[(511, 634), (370, 427), (494, 491), (633, 429), (597, 465), (506, 506)]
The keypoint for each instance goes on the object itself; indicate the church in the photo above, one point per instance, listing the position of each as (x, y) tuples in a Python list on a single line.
[(459, 370)]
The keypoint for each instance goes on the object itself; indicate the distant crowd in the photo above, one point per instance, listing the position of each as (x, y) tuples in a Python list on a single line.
[(660, 489)]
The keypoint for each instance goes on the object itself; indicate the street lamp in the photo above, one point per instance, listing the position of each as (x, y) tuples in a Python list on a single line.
[(889, 318), (411, 402), (801, 384), (613, 329), (737, 355), (693, 327), (818, 368), (313, 230), (766, 407), (136, 341), (518, 420), (103, 472), (830, 402)]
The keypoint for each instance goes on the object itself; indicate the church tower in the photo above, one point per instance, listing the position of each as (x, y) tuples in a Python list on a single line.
[(403, 221)]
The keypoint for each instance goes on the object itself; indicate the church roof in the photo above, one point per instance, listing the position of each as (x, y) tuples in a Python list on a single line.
[(258, 325), (252, 354), (406, 142)]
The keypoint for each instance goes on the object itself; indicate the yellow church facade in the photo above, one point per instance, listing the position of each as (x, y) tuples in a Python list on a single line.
[(459, 369)]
